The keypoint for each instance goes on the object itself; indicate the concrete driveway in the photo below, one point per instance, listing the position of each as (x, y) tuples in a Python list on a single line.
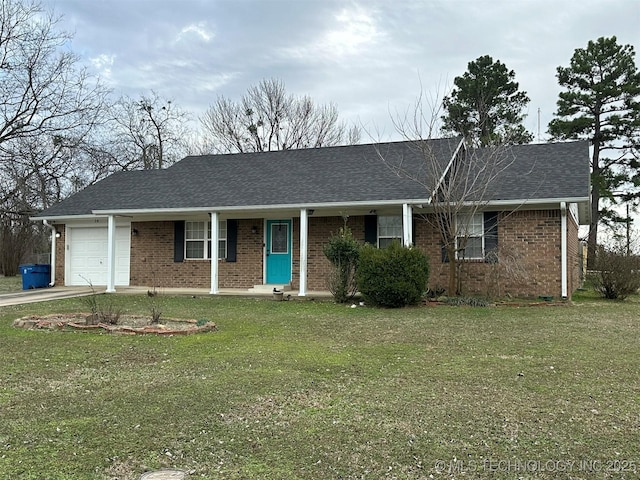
[(42, 295)]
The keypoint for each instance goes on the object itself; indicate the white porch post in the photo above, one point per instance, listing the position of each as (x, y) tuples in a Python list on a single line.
[(407, 225), (563, 249), (111, 254), (304, 232), (215, 234)]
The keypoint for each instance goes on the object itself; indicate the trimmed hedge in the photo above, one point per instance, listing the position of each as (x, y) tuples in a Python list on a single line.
[(394, 276)]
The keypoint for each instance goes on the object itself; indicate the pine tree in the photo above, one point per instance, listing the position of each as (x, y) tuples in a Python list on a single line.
[(486, 106), (601, 103)]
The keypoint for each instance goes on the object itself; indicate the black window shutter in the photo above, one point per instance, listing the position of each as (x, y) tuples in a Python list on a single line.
[(232, 240), (491, 237), (371, 229), (178, 241)]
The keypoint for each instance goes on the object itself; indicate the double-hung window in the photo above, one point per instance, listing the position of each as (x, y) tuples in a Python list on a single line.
[(389, 230), (197, 240), (470, 239)]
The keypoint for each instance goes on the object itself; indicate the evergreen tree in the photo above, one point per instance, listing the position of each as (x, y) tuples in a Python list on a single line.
[(601, 103), (486, 106)]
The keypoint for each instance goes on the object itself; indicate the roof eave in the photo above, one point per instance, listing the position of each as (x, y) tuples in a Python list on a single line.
[(62, 218), (582, 202), (244, 208)]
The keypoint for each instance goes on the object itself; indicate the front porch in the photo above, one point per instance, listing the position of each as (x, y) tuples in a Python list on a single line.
[(249, 249), (59, 293), (238, 292)]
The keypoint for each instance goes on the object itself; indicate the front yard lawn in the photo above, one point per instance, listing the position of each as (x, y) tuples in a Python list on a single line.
[(313, 390), (10, 284)]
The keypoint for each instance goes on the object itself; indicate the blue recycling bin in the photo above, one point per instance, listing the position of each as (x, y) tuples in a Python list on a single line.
[(35, 275)]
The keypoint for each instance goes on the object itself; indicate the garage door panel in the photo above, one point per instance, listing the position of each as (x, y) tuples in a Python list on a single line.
[(87, 251)]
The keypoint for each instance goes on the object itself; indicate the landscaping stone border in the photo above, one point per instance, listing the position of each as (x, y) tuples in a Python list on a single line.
[(77, 322)]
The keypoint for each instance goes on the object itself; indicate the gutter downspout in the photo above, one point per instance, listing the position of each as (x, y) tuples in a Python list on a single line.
[(563, 248), (53, 251)]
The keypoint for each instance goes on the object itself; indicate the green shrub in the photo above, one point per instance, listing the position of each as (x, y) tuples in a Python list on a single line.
[(394, 276), (343, 252)]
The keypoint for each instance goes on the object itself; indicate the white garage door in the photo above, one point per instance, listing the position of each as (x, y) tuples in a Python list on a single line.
[(87, 255)]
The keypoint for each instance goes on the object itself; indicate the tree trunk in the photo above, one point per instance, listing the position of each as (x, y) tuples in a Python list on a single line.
[(592, 241), (453, 271)]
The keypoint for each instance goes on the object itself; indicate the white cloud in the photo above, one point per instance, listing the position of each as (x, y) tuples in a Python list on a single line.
[(103, 64), (198, 30), (356, 31)]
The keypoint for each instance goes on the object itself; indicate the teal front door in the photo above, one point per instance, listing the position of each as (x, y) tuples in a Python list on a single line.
[(278, 251)]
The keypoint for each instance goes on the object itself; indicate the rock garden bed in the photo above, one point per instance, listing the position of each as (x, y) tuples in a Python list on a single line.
[(125, 324)]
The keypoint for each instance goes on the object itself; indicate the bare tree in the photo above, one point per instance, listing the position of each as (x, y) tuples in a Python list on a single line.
[(42, 92), (48, 105), (268, 119), (458, 189), (151, 131)]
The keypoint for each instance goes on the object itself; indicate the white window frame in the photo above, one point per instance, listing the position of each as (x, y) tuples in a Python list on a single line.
[(383, 230), (206, 240), (472, 227)]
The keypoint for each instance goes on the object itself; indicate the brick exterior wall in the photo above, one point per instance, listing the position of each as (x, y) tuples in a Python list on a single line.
[(320, 230), (60, 254), (529, 256), (528, 243), (152, 252)]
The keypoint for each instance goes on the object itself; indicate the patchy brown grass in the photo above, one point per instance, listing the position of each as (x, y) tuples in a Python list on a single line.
[(10, 284), (305, 389)]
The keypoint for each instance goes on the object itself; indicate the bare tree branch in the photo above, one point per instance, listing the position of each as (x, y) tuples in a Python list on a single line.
[(458, 187), (268, 119)]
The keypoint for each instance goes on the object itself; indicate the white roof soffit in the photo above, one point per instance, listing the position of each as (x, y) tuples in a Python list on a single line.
[(411, 201)]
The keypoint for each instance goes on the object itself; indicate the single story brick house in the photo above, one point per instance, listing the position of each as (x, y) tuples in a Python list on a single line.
[(265, 217)]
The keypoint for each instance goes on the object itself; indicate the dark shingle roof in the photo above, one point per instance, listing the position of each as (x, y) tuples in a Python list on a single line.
[(546, 170), (323, 175)]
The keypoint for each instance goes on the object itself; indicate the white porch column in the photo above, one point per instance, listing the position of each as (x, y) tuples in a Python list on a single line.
[(215, 234), (563, 249), (111, 254), (407, 225), (304, 235)]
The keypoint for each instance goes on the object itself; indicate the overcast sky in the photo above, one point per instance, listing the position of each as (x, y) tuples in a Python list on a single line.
[(371, 57)]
